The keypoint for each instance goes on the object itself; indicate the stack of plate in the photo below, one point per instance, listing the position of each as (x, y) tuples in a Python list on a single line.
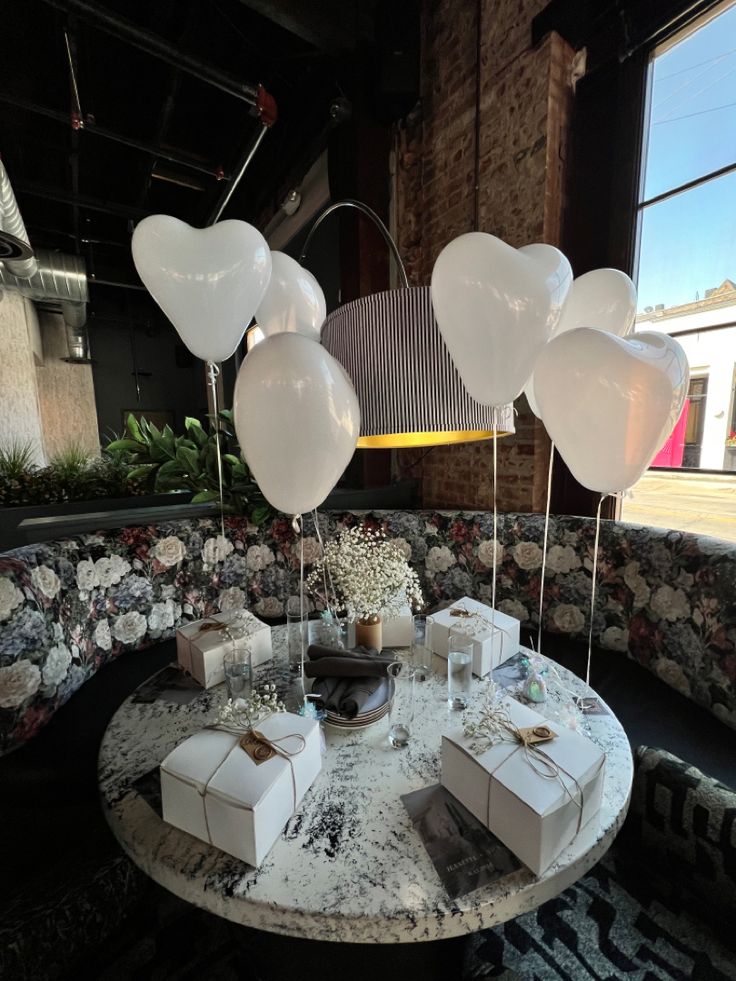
[(374, 709)]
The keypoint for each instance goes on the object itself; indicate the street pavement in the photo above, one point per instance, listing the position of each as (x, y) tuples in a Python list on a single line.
[(701, 503)]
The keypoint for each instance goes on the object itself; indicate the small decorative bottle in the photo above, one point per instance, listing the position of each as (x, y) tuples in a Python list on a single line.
[(535, 687)]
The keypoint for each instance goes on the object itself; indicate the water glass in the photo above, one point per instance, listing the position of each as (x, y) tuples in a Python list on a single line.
[(401, 709), (297, 631), (421, 655), (459, 669), (238, 672), (326, 632)]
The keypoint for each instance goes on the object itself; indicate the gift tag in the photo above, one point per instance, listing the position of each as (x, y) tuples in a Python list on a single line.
[(531, 735), (256, 747)]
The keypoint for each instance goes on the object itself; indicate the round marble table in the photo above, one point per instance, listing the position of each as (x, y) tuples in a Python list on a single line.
[(349, 866)]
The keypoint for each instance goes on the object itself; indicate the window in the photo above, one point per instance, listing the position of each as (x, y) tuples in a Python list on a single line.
[(686, 265)]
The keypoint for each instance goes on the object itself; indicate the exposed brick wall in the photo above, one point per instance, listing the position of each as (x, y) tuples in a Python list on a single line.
[(525, 107)]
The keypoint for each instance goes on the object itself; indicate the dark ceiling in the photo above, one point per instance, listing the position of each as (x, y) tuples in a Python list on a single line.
[(80, 190)]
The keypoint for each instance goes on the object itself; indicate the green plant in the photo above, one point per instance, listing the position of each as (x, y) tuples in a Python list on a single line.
[(72, 469), (16, 458), (167, 462)]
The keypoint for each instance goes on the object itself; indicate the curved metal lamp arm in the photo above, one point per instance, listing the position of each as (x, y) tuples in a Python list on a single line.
[(369, 213)]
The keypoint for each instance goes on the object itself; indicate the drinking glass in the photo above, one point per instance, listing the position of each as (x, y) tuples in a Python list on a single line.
[(326, 632), (421, 656), (401, 709), (459, 669), (297, 630), (238, 672), (298, 638)]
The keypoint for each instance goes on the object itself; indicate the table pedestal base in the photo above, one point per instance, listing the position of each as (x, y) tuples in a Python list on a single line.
[(272, 957)]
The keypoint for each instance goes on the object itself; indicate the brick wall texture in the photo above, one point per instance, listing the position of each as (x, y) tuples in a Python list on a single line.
[(524, 117)]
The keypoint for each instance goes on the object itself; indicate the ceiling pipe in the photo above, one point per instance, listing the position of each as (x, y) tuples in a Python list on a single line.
[(267, 111), (12, 223), (109, 22), (85, 201), (86, 125), (60, 279)]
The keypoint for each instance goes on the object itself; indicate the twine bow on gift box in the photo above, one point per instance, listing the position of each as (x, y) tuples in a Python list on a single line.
[(473, 615), (229, 627), (209, 625), (260, 749)]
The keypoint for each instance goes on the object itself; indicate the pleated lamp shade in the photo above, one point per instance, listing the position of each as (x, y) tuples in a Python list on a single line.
[(409, 390)]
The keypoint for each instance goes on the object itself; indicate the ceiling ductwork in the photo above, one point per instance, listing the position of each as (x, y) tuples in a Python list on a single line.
[(12, 223), (58, 280)]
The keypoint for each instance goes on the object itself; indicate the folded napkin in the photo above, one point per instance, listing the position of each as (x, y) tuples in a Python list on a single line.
[(347, 696), (360, 662)]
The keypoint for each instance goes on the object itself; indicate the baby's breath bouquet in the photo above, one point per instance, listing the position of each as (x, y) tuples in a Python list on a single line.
[(368, 573)]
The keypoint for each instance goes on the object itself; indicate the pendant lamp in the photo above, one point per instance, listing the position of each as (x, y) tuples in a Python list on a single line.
[(410, 392)]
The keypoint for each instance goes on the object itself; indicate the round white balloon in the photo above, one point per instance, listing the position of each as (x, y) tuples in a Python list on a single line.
[(297, 420), (293, 302), (496, 308), (604, 299), (609, 403), (208, 281)]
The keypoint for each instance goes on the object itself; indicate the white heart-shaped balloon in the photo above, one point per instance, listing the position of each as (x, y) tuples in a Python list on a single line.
[(293, 301), (609, 403), (604, 299), (208, 281), (496, 308), (297, 420)]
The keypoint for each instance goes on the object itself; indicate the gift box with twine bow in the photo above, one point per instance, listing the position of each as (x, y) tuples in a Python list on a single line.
[(201, 645), (533, 783), (237, 789), (495, 636)]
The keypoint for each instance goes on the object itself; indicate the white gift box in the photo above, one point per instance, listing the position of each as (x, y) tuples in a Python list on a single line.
[(536, 816), (398, 630), (211, 788), (200, 651), (490, 647)]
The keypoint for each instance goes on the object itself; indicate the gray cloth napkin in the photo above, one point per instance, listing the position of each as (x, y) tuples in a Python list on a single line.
[(360, 662), (347, 696)]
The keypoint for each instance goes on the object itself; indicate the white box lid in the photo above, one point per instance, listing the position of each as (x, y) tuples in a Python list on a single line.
[(208, 760), (502, 621), (506, 762)]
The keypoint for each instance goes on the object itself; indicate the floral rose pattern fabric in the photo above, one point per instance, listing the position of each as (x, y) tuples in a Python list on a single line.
[(665, 598)]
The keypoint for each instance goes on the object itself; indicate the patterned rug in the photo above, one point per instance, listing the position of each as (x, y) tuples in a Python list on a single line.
[(599, 930), (595, 931)]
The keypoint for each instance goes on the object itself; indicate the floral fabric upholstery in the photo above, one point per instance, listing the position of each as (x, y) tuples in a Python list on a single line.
[(667, 599)]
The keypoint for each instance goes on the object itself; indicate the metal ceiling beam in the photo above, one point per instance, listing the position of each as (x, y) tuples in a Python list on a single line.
[(156, 46), (318, 22), (173, 156), (85, 201), (243, 164)]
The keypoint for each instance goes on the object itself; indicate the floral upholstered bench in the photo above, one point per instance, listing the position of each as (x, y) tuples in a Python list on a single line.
[(112, 600), (665, 599)]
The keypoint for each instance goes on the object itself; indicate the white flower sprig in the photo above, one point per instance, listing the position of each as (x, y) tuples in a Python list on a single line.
[(243, 713), (369, 573), (487, 727)]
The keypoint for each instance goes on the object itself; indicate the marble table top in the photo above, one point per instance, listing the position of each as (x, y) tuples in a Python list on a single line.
[(349, 866)]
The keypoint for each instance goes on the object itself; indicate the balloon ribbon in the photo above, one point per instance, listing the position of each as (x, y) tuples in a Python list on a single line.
[(592, 590), (544, 546), (213, 372)]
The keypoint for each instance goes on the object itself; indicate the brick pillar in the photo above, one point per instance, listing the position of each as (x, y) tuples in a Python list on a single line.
[(525, 108)]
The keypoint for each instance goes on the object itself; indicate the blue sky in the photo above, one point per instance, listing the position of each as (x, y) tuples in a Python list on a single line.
[(688, 242)]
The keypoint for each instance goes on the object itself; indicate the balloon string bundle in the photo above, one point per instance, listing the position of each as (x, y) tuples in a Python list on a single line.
[(495, 520), (325, 570), (213, 372), (544, 546), (297, 524), (592, 590)]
